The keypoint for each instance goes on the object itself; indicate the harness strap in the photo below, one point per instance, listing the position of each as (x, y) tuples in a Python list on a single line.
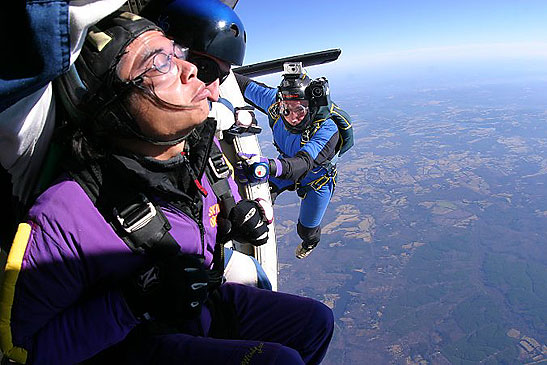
[(217, 172), (321, 181), (145, 227), (308, 133), (140, 223)]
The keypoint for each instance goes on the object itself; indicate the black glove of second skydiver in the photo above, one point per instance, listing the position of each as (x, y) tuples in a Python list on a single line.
[(170, 290), (246, 223)]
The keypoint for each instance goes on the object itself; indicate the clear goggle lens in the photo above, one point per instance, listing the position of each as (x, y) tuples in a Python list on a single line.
[(298, 110)]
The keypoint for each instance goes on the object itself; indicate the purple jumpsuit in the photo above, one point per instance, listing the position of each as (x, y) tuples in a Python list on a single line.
[(65, 308)]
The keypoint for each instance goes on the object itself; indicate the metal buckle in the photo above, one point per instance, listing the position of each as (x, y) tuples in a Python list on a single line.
[(220, 169), (136, 217)]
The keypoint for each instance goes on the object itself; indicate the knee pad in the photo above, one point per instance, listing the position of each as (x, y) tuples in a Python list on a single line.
[(311, 236)]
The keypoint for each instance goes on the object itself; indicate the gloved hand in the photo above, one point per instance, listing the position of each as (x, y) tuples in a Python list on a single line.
[(248, 222), (254, 168), (170, 290)]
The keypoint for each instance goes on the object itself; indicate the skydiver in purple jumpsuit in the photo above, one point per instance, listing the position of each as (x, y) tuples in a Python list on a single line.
[(74, 291)]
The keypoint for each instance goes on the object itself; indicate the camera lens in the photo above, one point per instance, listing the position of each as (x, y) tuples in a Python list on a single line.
[(317, 91)]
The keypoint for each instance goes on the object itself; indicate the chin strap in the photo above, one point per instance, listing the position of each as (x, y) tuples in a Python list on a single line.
[(171, 142)]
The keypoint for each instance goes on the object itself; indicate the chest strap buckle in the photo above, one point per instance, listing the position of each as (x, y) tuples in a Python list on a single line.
[(218, 166), (136, 214)]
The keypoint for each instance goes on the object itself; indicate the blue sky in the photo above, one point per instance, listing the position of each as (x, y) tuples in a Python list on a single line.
[(394, 34)]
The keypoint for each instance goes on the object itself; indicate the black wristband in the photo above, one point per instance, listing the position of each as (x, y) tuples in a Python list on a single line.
[(272, 166)]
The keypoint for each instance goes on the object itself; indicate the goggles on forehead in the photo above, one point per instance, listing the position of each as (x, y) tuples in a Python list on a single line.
[(209, 69)]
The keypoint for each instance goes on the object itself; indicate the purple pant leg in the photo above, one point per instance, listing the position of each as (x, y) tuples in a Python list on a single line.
[(303, 324), (274, 329)]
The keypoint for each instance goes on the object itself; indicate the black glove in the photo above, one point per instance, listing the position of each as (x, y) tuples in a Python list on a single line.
[(170, 290), (246, 223)]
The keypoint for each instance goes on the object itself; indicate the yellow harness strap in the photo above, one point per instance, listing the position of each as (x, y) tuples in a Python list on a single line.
[(7, 292)]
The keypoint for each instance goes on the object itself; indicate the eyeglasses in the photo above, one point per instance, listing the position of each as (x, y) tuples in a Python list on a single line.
[(162, 63), (209, 69), (299, 110)]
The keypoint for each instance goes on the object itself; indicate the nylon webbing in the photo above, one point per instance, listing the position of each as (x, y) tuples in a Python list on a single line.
[(217, 172), (140, 223)]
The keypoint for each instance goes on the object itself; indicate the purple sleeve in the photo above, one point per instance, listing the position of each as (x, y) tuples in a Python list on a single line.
[(55, 317)]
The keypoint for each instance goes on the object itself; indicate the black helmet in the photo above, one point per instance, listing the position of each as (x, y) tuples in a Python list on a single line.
[(206, 26), (293, 87), (92, 91)]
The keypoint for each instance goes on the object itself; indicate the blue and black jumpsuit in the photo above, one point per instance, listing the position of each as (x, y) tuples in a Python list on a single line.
[(306, 158)]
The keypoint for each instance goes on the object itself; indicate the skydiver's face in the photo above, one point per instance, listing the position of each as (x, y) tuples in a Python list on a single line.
[(294, 111), (164, 71)]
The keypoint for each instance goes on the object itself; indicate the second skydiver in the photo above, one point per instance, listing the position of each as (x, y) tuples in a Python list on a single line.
[(310, 132)]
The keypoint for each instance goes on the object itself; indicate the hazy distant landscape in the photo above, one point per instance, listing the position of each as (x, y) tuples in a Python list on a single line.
[(434, 245)]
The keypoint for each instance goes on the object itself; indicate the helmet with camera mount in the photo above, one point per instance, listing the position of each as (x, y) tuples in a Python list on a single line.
[(293, 87)]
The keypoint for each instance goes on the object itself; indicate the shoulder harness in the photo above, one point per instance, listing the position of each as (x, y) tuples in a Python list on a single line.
[(140, 222)]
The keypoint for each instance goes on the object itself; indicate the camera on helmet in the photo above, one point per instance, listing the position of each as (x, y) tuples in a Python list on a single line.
[(318, 92)]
